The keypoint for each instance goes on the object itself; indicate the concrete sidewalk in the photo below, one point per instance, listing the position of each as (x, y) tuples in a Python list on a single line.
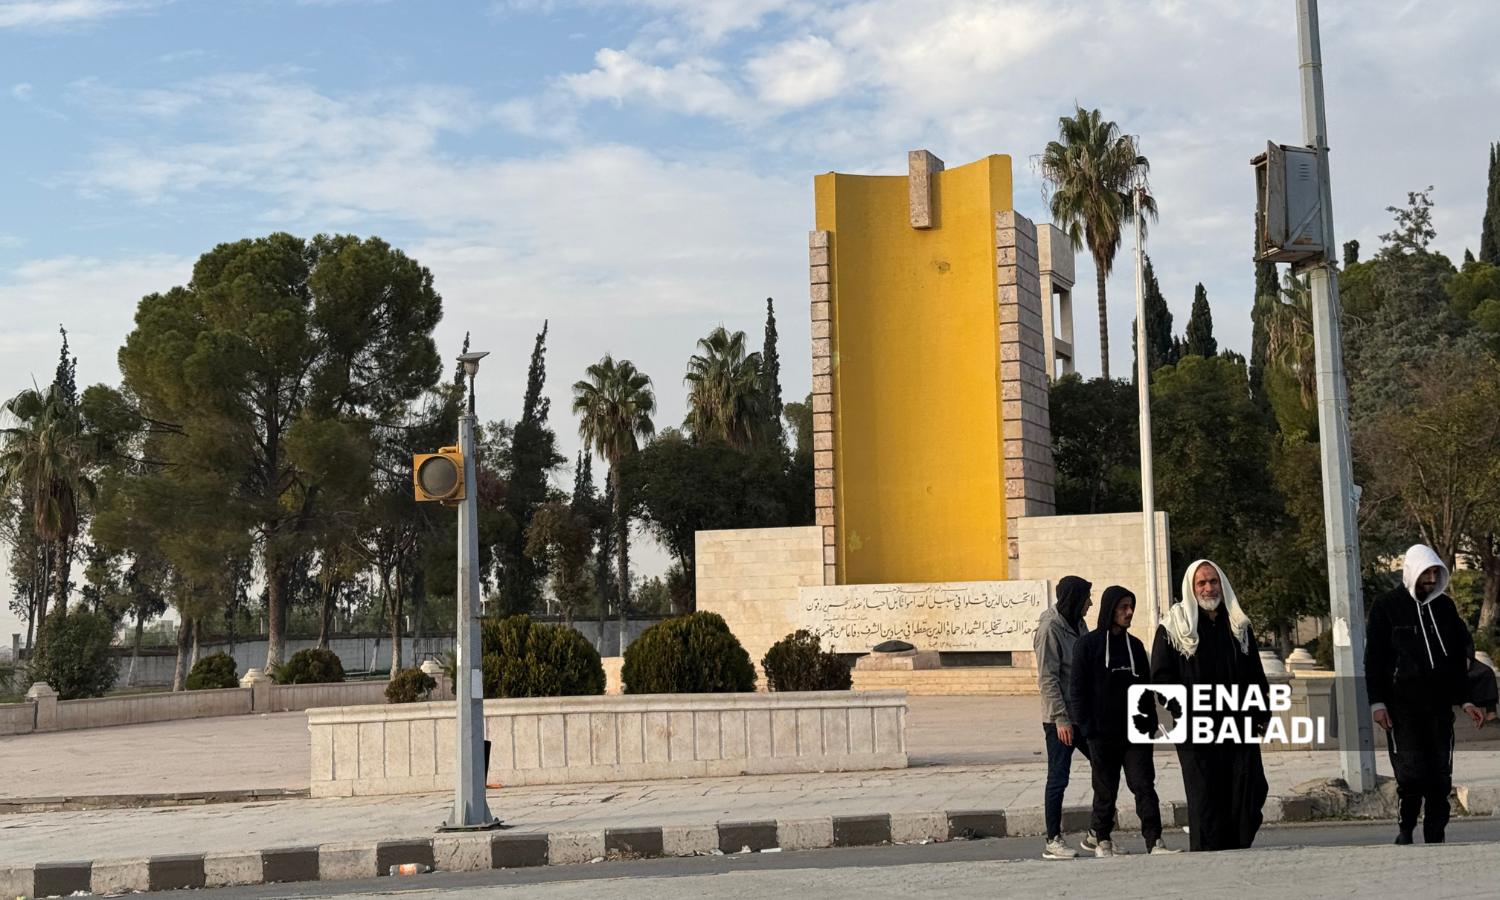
[(976, 759)]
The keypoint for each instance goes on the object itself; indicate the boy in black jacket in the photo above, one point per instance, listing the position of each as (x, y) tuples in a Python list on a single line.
[(1416, 669), (1106, 662)]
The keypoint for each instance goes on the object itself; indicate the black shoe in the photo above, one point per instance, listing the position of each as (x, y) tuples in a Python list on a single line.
[(1433, 838), (1403, 837)]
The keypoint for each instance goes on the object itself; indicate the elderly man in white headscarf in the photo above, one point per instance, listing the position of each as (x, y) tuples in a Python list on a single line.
[(1206, 639)]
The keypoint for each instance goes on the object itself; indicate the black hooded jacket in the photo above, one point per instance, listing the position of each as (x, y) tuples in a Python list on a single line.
[(1105, 665)]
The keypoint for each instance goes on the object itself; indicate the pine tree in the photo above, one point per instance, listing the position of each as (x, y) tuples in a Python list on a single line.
[(1489, 232), (1200, 327), (770, 378), (65, 381), (1160, 349), (533, 456)]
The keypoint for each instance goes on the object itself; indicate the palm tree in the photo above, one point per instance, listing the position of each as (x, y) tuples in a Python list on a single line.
[(726, 400), (46, 457), (1091, 167), (614, 406)]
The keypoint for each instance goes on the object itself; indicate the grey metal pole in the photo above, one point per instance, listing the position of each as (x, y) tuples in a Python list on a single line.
[(1143, 397), (1356, 743), (470, 809)]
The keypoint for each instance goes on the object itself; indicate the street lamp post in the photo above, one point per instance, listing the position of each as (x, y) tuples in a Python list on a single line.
[(470, 810), (1143, 397), (1340, 496)]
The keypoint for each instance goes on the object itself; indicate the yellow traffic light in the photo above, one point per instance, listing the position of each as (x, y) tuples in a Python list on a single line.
[(438, 476)]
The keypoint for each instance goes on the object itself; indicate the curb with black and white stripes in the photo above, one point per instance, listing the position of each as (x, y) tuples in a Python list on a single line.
[(509, 850)]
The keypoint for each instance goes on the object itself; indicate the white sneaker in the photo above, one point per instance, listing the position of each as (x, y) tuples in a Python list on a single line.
[(1090, 842), (1161, 847), (1105, 848), (1057, 848)]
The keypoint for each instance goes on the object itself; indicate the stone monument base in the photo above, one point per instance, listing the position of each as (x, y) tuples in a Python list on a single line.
[(899, 661), (965, 681)]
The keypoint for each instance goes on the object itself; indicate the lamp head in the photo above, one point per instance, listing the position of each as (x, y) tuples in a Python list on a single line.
[(471, 361)]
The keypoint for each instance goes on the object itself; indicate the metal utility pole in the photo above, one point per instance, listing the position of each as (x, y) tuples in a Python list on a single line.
[(1340, 500), (1143, 398), (470, 809)]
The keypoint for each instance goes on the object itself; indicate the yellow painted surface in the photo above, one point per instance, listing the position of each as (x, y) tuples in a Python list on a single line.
[(916, 377)]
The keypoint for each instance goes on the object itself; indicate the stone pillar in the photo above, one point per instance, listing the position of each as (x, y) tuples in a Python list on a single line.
[(434, 670), (1055, 270), (45, 699), (820, 260), (921, 166), (260, 686), (1029, 473)]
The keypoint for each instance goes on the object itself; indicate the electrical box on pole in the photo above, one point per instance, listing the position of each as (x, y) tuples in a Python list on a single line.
[(1288, 205)]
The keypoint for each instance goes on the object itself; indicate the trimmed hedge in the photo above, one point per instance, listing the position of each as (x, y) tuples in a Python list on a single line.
[(410, 686), (213, 672), (525, 658), (692, 654), (797, 663), (311, 666)]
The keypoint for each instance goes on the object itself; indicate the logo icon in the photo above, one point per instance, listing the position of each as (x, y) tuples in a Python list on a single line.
[(1157, 713)]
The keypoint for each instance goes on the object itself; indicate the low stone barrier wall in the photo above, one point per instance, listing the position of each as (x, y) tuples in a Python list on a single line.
[(42, 711), (137, 709), (17, 718), (409, 748), (296, 697)]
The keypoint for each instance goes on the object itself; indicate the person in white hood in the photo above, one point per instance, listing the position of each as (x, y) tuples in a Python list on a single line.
[(1417, 656)]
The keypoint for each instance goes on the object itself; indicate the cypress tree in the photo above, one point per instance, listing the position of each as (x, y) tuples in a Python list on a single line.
[(65, 380), (1351, 253), (533, 454), (1468, 256), (1266, 286), (770, 378), (1200, 327), (1160, 348), (1489, 232)]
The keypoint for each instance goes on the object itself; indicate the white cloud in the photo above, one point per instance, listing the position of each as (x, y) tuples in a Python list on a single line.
[(95, 298), (799, 72), (22, 91), (41, 13), (691, 87)]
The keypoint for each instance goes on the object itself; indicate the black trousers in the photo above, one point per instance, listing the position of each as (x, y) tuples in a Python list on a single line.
[(1108, 757), (1420, 744)]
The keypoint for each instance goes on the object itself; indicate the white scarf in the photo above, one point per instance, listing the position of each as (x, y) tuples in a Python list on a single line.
[(1181, 622)]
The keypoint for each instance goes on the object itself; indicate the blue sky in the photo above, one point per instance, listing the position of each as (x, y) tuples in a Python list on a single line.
[(640, 171)]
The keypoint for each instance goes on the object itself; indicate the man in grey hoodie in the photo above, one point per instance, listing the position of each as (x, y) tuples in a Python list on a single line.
[(1058, 629)]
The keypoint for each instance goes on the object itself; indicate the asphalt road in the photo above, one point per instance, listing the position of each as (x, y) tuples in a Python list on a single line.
[(1315, 860)]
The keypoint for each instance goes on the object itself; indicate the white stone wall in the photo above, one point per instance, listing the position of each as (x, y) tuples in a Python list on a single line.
[(751, 576), (1104, 549), (410, 748)]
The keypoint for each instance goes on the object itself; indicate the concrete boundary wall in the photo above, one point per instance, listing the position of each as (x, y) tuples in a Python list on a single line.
[(409, 749), (42, 711)]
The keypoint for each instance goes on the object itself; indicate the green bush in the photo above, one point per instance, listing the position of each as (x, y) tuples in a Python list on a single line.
[(692, 654), (797, 663), (1324, 653), (213, 672), (523, 658), (73, 656), (1484, 642), (311, 666), (410, 686)]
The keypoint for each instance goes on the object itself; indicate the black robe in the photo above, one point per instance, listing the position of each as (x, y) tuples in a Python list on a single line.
[(1225, 783)]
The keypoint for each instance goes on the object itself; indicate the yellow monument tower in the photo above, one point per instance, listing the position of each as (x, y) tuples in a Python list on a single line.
[(931, 432)]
